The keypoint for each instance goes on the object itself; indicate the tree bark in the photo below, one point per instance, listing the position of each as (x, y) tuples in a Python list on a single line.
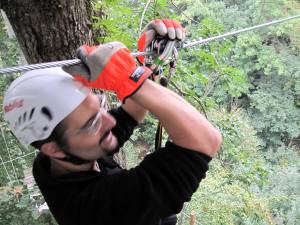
[(49, 30)]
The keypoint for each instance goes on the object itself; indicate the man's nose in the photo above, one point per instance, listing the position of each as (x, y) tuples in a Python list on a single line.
[(108, 122)]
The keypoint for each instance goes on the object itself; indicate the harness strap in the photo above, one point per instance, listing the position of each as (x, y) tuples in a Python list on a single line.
[(164, 81)]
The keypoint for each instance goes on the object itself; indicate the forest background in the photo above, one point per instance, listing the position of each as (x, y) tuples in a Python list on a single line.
[(248, 86)]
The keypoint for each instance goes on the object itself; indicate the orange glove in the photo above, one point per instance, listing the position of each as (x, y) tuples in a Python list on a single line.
[(109, 67), (166, 29)]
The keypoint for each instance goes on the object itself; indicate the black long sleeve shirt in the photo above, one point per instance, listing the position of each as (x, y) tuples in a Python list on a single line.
[(155, 189)]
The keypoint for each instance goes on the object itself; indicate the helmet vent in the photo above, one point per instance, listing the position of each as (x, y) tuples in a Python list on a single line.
[(47, 112), (31, 113), (24, 117)]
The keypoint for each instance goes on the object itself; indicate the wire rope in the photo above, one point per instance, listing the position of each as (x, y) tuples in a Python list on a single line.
[(188, 45)]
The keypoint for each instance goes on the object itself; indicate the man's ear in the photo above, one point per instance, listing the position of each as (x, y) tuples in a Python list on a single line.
[(51, 149)]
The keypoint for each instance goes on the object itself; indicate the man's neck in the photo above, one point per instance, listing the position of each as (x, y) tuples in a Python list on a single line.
[(59, 168)]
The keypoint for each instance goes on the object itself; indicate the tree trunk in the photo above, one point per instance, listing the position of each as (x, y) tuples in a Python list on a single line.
[(49, 30)]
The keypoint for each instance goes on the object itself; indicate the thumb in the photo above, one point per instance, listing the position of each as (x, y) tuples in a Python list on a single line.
[(83, 52), (79, 69)]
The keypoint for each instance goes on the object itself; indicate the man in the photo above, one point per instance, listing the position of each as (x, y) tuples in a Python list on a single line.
[(77, 137)]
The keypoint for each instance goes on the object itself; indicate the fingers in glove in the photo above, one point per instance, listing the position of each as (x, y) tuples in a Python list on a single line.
[(179, 30), (159, 26), (166, 27), (101, 56), (84, 51), (170, 28), (96, 58)]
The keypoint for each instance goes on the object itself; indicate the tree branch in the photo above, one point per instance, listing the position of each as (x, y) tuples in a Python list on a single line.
[(143, 14), (197, 99), (180, 11)]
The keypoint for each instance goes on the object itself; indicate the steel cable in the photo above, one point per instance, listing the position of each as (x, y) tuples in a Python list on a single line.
[(188, 45)]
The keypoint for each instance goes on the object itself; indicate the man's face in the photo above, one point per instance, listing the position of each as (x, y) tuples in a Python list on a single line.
[(86, 145)]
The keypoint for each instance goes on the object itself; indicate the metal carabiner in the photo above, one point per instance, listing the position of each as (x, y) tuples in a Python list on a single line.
[(163, 51)]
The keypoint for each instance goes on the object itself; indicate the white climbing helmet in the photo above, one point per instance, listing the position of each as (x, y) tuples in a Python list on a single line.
[(39, 100)]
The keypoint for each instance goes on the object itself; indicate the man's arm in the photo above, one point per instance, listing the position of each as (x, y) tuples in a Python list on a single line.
[(118, 72), (135, 110), (184, 124)]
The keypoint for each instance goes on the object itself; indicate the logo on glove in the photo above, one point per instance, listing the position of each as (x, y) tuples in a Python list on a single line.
[(137, 74)]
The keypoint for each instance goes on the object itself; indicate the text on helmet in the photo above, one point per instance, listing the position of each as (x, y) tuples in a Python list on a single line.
[(13, 105)]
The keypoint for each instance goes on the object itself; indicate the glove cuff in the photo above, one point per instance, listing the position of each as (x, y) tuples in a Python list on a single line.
[(135, 81)]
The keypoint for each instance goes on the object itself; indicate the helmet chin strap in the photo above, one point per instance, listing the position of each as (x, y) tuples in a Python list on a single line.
[(74, 159), (80, 161)]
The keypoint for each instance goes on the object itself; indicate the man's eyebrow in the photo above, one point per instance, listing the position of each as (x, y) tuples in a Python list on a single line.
[(89, 121)]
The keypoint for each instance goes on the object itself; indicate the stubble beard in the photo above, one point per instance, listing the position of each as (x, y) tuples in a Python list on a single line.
[(114, 145)]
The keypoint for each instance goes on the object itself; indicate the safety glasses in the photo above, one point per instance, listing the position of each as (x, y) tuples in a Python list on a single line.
[(93, 126)]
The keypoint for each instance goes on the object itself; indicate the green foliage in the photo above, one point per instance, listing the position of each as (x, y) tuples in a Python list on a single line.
[(208, 72), (254, 56), (9, 149), (265, 69), (123, 18), (119, 23), (229, 193), (283, 189), (19, 207), (274, 113), (10, 50), (242, 186)]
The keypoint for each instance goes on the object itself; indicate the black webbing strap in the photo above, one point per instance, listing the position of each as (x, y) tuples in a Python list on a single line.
[(164, 82)]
